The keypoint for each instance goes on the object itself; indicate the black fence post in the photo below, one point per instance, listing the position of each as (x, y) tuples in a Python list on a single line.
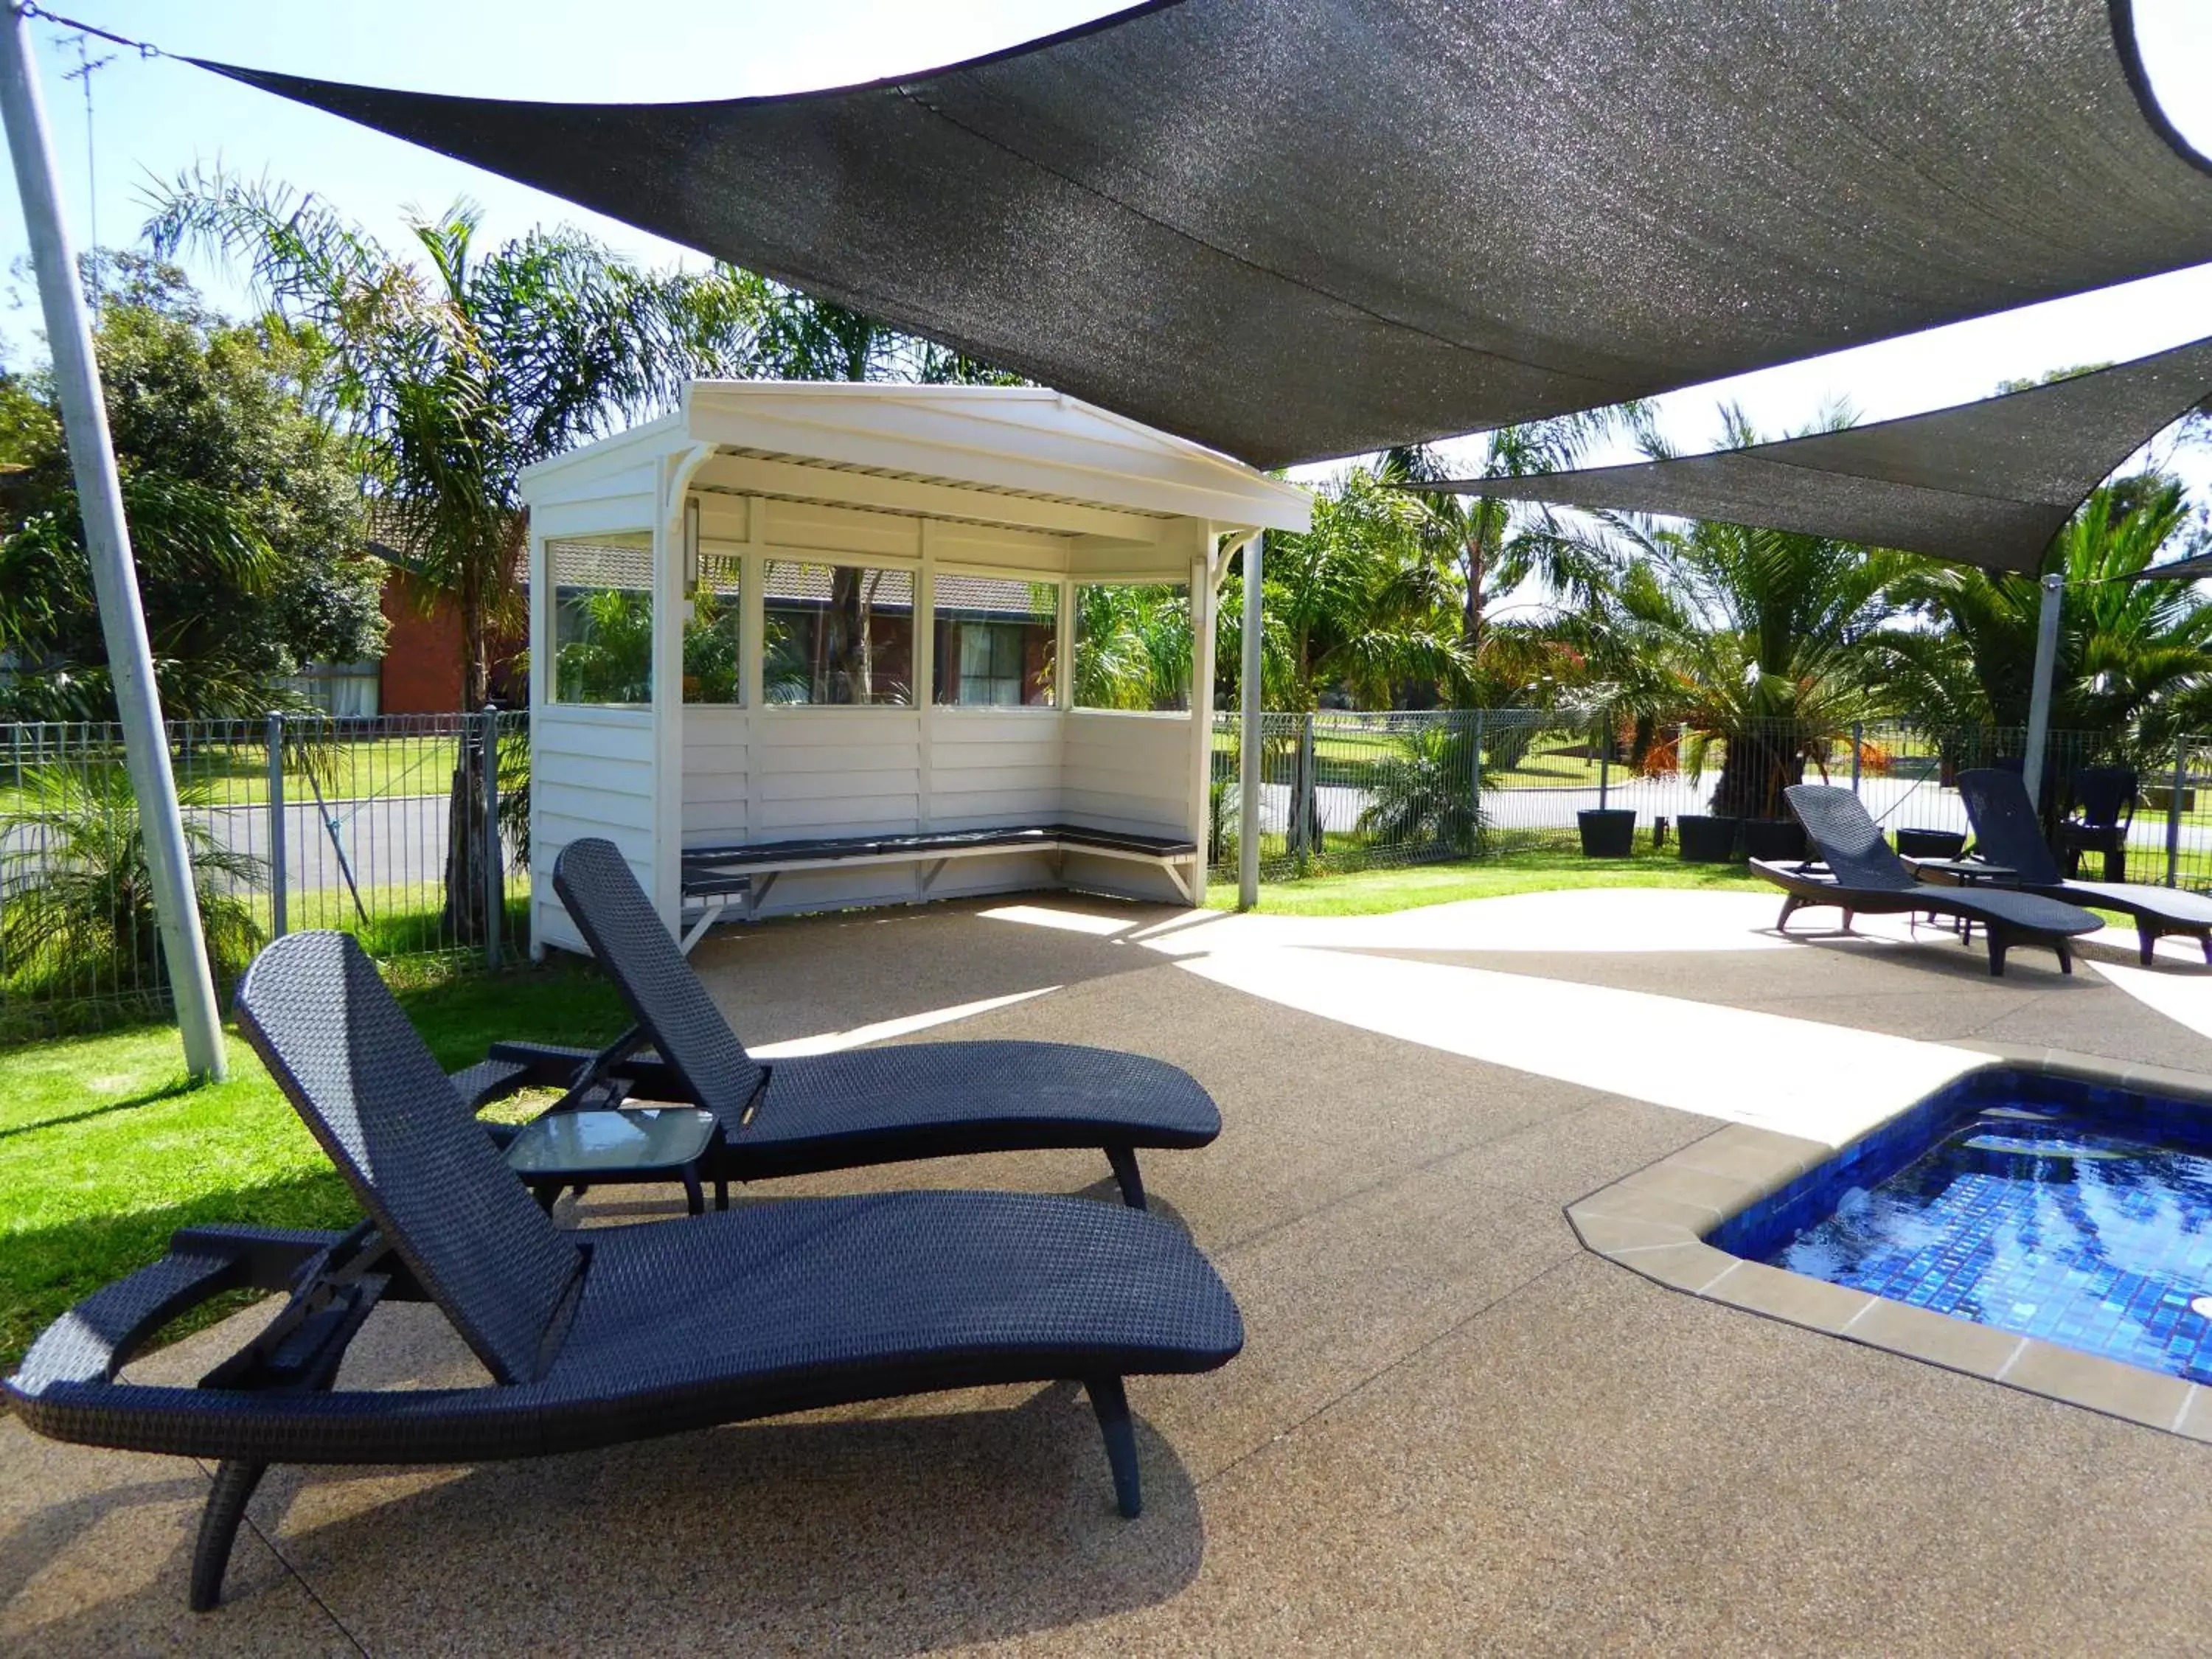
[(494, 869), (279, 922)]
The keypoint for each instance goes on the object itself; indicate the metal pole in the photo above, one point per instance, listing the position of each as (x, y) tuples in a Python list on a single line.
[(2173, 811), (1475, 823), (1247, 757), (1859, 744), (279, 924), (494, 893), (107, 538), (2046, 669), (1605, 768)]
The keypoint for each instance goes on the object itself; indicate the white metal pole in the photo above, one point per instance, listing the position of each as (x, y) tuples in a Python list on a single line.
[(2046, 669), (1247, 754), (115, 582)]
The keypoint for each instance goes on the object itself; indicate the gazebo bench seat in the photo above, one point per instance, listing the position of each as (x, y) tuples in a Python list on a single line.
[(717, 879)]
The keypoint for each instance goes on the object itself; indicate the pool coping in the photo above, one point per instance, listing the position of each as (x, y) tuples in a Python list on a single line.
[(1655, 1221)]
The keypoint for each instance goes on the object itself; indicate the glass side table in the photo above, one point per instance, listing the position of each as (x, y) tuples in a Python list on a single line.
[(635, 1144), (1962, 872)]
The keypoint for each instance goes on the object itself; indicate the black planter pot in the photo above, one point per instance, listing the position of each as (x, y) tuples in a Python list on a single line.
[(1776, 840), (1608, 832), (1707, 840), (1930, 843)]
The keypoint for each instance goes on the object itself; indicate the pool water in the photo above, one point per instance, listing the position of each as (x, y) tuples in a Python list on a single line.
[(2070, 1211)]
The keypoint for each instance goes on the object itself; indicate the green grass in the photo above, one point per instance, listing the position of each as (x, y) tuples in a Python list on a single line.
[(105, 1151), (237, 775), (1349, 760), (1373, 892)]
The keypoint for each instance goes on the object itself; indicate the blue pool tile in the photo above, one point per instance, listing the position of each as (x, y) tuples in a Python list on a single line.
[(2084, 1215)]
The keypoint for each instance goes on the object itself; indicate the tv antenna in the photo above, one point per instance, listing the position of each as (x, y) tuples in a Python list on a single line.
[(87, 66)]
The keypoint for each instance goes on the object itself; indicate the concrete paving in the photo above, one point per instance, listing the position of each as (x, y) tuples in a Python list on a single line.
[(1453, 1430)]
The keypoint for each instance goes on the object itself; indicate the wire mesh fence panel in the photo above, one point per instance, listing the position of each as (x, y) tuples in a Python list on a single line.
[(1343, 792), (377, 826)]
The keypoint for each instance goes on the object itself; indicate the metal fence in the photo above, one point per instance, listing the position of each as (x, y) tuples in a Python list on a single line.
[(394, 828), (1352, 790)]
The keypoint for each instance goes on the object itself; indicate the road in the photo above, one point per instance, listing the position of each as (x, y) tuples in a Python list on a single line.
[(1896, 803), (387, 842)]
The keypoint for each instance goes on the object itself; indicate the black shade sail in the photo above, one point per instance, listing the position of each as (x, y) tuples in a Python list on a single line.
[(1299, 228), (1987, 483)]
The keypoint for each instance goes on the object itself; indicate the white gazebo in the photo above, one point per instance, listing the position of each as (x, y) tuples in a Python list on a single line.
[(801, 646)]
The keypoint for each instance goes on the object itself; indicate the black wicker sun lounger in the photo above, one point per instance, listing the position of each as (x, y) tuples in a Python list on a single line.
[(2007, 834), (1864, 874), (593, 1338), (839, 1111)]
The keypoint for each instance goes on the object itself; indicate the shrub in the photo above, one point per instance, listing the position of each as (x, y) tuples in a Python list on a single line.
[(76, 899)]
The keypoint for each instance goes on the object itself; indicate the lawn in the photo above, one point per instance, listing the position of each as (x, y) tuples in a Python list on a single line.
[(1372, 892), (237, 775), (105, 1151)]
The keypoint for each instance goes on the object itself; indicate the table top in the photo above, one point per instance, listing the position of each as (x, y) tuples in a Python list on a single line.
[(607, 1142), (1968, 869)]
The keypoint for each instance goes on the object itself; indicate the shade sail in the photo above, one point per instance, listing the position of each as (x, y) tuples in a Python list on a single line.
[(1299, 228), (1986, 483)]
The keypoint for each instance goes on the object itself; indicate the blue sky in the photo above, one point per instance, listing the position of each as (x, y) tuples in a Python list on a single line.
[(153, 118)]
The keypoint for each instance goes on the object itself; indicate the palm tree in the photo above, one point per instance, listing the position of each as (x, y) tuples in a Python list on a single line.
[(1352, 605), (1133, 647), (1473, 537), (2133, 657), (79, 917), (1761, 640), (457, 368)]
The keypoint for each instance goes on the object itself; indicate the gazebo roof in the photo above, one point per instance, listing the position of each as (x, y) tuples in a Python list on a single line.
[(1040, 447), (1298, 228), (1987, 483)]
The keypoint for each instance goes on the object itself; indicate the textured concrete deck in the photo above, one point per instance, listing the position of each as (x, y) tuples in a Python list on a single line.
[(1454, 1430)]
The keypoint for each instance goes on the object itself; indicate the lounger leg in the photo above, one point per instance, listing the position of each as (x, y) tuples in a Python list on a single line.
[(695, 1201), (1111, 1403), (1124, 1160), (2065, 956), (2146, 941), (1791, 907), (2000, 941), (234, 1481), (2207, 942)]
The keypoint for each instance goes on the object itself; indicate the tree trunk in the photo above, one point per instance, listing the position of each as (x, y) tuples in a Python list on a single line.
[(467, 920), (1757, 766)]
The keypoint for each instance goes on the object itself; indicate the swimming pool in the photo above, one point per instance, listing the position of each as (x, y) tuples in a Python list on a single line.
[(2040, 1205)]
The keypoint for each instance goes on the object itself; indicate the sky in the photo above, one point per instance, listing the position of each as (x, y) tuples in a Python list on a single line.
[(153, 119)]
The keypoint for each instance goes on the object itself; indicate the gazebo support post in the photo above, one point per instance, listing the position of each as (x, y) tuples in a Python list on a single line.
[(2046, 668), (107, 538), (1248, 753)]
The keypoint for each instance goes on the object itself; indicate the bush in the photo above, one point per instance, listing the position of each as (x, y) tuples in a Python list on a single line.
[(76, 899), (1421, 794)]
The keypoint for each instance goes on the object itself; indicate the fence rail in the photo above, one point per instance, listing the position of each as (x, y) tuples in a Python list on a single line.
[(1350, 791), (394, 828)]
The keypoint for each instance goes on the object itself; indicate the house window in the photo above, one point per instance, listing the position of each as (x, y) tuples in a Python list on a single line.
[(837, 634), (712, 663), (994, 641), (1133, 646), (602, 619)]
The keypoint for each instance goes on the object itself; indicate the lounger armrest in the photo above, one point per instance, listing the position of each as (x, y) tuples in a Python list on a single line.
[(95, 1339), (547, 1065)]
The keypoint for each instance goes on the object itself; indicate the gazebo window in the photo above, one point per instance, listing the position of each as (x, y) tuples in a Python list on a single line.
[(712, 670), (1133, 646), (602, 605), (994, 641), (837, 634)]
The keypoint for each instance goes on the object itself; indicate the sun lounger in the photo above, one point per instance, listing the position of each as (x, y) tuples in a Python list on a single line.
[(1862, 873), (866, 1105), (2006, 833), (597, 1337)]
